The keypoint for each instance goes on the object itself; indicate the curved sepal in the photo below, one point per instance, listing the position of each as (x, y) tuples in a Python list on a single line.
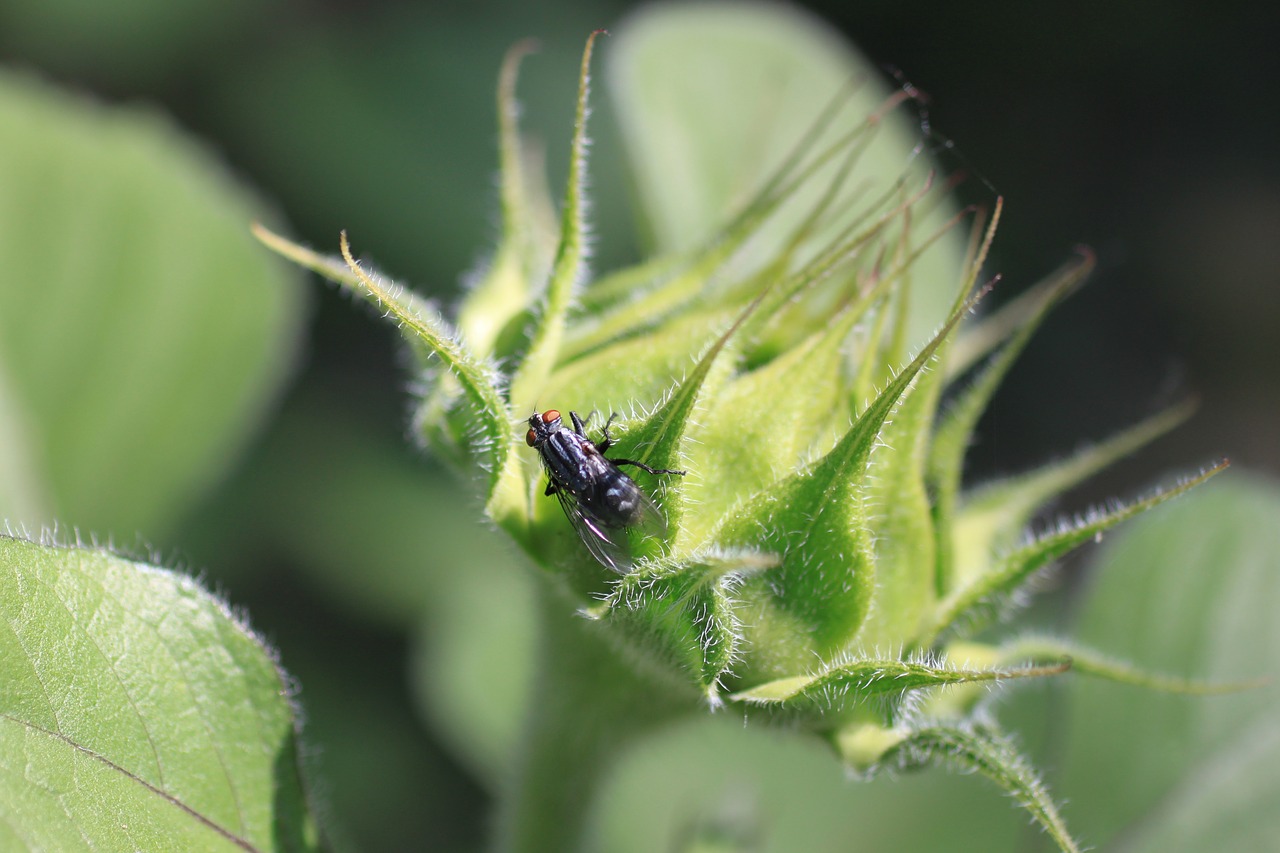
[(394, 300), (685, 610), (567, 268), (991, 517), (986, 751), (975, 604), (486, 425), (842, 689), (954, 433), (1091, 662)]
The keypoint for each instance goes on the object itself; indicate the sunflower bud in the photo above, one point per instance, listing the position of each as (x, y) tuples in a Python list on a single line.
[(803, 548)]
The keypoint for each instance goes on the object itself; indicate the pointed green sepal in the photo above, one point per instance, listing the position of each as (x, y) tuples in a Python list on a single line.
[(765, 421), (567, 268), (818, 599), (986, 751), (502, 291), (1087, 661), (842, 688), (336, 270), (954, 434), (487, 431), (992, 517), (975, 604), (684, 609)]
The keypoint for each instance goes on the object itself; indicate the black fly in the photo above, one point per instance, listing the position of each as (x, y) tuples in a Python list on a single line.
[(600, 500)]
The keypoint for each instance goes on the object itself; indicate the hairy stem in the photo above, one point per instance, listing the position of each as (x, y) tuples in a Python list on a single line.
[(590, 705)]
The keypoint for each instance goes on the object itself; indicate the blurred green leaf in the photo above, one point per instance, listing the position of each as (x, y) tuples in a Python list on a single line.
[(137, 713), (142, 329), (1191, 589), (385, 126), (399, 541), (797, 795), (713, 97)]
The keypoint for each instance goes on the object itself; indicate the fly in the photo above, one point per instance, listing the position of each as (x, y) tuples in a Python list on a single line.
[(600, 500)]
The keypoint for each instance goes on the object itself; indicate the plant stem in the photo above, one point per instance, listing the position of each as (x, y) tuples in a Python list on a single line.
[(590, 704)]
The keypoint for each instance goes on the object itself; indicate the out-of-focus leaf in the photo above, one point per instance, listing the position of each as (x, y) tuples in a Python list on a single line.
[(691, 82), (137, 713), (795, 794), (399, 541), (387, 129), (1191, 589), (141, 327)]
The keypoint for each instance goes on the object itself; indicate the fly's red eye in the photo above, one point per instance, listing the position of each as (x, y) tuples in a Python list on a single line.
[(550, 415), (530, 437)]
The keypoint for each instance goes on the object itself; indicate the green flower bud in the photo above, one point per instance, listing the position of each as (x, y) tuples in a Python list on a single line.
[(818, 561)]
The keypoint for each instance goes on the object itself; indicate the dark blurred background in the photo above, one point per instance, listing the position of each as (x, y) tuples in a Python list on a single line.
[(1148, 131)]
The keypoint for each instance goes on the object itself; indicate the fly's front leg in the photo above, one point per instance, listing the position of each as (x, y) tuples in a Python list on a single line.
[(579, 425), (606, 441)]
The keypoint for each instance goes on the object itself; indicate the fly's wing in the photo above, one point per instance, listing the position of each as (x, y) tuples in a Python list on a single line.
[(649, 519), (603, 518), (607, 544)]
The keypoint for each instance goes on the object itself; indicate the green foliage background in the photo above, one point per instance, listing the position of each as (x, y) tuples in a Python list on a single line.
[(1129, 133)]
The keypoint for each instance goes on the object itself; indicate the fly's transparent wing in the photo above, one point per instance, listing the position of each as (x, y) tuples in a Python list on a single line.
[(608, 544)]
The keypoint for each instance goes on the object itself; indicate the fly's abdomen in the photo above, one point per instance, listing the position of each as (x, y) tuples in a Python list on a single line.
[(616, 500)]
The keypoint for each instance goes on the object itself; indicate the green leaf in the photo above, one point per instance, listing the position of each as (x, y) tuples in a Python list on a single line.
[(712, 98), (142, 331), (138, 713), (1191, 589)]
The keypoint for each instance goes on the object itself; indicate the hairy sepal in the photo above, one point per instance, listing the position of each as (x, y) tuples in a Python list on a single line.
[(984, 750), (683, 610), (992, 517), (818, 598), (954, 433), (977, 603), (568, 266), (836, 694), (1095, 664)]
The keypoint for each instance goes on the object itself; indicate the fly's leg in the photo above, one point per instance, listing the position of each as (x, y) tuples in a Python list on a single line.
[(552, 488), (644, 467), (579, 425), (606, 441)]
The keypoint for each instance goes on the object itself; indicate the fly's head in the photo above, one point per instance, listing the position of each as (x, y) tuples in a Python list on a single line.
[(541, 426)]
